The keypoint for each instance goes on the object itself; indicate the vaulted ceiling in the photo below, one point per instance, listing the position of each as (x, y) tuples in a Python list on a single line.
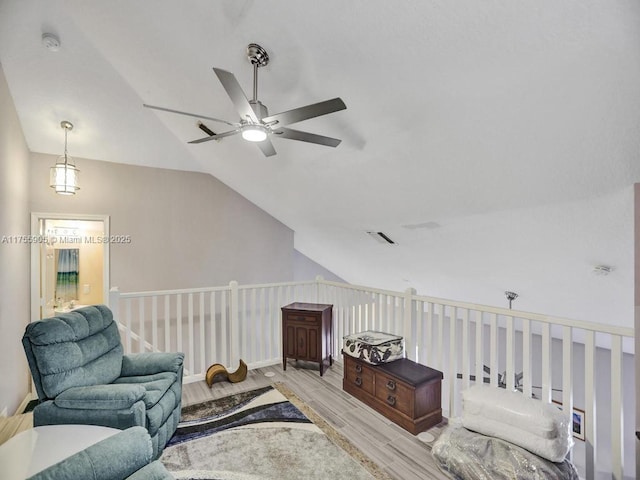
[(496, 142)]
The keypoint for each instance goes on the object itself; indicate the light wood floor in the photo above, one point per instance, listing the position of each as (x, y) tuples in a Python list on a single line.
[(395, 450)]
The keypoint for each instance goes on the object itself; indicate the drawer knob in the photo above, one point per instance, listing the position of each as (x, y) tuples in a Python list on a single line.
[(358, 381), (391, 385), (358, 368), (391, 400)]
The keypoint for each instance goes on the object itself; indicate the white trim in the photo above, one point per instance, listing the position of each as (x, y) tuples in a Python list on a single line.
[(30, 396)]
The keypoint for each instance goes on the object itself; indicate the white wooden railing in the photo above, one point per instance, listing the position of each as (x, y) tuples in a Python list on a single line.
[(579, 365)]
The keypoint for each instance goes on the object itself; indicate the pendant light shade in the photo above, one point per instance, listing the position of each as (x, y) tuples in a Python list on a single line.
[(64, 176)]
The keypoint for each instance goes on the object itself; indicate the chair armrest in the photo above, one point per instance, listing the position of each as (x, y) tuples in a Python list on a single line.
[(114, 458), (149, 363), (101, 397)]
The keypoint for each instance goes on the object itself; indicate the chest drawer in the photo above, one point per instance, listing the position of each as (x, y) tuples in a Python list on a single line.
[(359, 376), (394, 393)]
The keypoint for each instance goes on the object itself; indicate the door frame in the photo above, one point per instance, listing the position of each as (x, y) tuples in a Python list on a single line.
[(36, 266)]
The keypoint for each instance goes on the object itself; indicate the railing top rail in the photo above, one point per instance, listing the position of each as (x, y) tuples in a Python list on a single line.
[(212, 289), (173, 292), (279, 284), (593, 326)]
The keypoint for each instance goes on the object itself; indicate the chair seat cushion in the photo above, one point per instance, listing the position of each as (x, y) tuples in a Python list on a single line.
[(101, 397), (155, 385)]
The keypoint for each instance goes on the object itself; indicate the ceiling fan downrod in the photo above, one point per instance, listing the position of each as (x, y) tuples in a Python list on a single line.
[(258, 57)]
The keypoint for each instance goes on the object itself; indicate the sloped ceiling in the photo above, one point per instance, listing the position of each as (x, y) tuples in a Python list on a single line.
[(496, 142)]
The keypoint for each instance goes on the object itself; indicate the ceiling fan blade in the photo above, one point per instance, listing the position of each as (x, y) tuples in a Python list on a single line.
[(235, 92), (189, 114), (307, 137), (309, 111), (217, 136), (267, 147)]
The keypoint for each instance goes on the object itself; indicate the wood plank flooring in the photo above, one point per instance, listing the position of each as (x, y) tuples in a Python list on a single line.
[(395, 450)]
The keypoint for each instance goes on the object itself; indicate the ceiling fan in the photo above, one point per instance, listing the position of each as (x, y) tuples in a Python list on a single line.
[(256, 125)]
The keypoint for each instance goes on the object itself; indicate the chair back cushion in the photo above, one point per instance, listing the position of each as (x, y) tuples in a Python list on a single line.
[(74, 349)]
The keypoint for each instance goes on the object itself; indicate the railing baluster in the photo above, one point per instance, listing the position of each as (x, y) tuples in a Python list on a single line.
[(590, 405), (154, 322), (224, 339), (510, 369), (453, 354), (128, 332), (167, 323), (439, 352), (527, 382), (428, 339), (141, 345), (567, 370), (190, 334), (493, 349), (617, 439), (479, 349), (465, 349), (179, 345), (546, 363), (213, 347), (201, 317)]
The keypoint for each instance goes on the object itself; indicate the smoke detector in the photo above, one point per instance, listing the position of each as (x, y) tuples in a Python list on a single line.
[(51, 42)]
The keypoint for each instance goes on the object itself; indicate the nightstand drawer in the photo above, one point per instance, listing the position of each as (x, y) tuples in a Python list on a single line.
[(293, 317)]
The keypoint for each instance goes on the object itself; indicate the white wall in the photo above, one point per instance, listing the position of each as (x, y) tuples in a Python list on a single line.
[(14, 257), (187, 229), (306, 269)]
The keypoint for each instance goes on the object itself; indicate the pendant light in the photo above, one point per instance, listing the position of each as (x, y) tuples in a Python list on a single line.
[(64, 176)]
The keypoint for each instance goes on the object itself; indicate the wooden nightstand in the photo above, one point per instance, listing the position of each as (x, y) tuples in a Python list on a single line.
[(307, 333)]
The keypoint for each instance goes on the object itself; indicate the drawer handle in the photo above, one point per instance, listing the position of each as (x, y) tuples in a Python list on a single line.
[(391, 385), (358, 381), (391, 400), (358, 368)]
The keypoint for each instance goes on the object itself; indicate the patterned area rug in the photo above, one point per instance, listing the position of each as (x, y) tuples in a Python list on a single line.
[(262, 435)]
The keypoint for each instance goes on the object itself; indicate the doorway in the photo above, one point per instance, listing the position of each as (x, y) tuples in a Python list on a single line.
[(69, 262)]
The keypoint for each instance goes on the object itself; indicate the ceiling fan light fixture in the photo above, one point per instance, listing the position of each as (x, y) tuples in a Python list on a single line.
[(254, 133)]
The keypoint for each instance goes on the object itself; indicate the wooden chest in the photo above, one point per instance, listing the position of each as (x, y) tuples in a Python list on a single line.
[(307, 333), (407, 393)]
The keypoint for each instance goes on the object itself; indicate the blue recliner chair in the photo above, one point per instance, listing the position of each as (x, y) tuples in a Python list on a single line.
[(125, 456), (82, 377)]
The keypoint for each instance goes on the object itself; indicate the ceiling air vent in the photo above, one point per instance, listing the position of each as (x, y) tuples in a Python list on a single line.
[(382, 238)]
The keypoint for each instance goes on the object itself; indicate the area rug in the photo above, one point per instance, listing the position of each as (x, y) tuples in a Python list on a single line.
[(262, 435)]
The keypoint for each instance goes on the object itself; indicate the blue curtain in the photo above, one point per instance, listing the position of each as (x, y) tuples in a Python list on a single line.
[(67, 277)]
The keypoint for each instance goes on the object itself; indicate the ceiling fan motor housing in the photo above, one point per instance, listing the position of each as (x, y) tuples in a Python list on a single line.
[(259, 109)]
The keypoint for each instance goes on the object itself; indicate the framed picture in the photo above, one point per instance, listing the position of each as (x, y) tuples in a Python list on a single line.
[(577, 421)]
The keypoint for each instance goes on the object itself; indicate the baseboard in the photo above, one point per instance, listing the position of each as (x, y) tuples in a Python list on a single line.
[(264, 363), (252, 366), (24, 403)]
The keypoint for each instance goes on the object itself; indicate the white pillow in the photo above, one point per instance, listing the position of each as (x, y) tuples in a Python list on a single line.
[(539, 427)]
